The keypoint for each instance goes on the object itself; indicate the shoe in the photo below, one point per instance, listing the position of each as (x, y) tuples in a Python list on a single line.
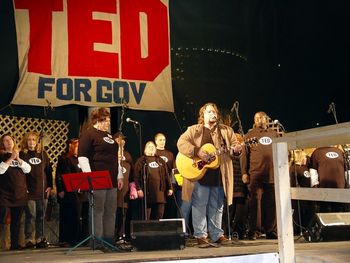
[(42, 244), (242, 235), (222, 240), (202, 241), (120, 241), (17, 247), (252, 235), (29, 244), (106, 249), (271, 235)]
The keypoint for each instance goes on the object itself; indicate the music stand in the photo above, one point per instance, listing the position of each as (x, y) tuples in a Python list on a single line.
[(88, 182)]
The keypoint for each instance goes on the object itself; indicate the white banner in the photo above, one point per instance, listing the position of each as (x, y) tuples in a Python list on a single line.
[(99, 53)]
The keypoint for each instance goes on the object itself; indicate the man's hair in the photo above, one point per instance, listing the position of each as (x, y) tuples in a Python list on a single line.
[(99, 114), (158, 134), (261, 113), (202, 109)]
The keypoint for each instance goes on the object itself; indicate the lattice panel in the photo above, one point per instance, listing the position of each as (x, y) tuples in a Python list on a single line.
[(55, 133), (275, 126), (227, 118)]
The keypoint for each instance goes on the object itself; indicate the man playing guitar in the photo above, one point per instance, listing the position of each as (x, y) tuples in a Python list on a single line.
[(208, 192)]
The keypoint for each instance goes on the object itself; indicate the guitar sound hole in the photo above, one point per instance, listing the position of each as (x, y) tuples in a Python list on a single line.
[(200, 165)]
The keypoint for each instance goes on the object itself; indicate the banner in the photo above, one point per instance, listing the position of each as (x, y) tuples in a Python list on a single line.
[(99, 53)]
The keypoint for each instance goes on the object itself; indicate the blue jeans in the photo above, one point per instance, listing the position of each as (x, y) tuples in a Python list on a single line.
[(34, 214), (207, 209)]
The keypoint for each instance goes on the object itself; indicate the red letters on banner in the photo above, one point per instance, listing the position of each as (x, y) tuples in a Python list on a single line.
[(133, 66)]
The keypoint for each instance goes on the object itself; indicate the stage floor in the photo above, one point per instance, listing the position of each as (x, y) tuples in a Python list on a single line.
[(306, 252)]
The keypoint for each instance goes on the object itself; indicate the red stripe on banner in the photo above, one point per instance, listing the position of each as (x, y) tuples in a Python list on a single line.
[(40, 40), (133, 65), (83, 31)]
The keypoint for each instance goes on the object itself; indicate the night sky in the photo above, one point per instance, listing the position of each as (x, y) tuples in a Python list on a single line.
[(287, 58)]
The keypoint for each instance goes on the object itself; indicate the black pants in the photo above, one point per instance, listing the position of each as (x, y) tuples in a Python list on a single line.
[(122, 225), (306, 209), (237, 217), (262, 207), (69, 223), (155, 211), (16, 214)]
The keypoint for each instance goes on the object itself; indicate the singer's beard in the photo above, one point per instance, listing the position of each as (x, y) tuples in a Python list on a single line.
[(213, 121)]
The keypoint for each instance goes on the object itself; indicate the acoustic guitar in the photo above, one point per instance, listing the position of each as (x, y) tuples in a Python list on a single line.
[(194, 168)]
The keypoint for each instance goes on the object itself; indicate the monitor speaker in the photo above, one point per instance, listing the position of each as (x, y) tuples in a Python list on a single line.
[(328, 227), (164, 234)]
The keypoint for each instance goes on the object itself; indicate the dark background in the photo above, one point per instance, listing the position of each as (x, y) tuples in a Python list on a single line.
[(288, 58)]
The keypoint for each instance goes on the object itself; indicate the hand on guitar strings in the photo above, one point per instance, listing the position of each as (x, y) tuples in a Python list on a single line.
[(203, 155)]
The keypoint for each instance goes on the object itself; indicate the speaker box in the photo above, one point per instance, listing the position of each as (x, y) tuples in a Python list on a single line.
[(164, 234), (328, 227)]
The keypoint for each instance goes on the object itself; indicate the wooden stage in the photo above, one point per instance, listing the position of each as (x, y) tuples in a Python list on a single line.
[(237, 251)]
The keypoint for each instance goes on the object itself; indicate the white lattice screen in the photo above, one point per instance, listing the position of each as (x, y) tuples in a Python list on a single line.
[(55, 133)]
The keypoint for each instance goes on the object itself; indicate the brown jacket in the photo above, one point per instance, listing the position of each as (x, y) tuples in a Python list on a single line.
[(189, 143)]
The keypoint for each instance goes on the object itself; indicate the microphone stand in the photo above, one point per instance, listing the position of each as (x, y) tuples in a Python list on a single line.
[(137, 128), (234, 109), (47, 108), (139, 134), (227, 205), (333, 111), (241, 132), (282, 127), (120, 170), (144, 177), (120, 162), (298, 201)]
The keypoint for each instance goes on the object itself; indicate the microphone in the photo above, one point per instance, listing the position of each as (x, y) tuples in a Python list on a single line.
[(131, 121), (279, 124), (330, 108), (235, 106)]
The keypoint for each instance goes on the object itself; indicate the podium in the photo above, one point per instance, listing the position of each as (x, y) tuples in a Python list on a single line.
[(88, 182)]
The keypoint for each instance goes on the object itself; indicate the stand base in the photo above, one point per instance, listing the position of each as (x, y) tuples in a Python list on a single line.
[(94, 239)]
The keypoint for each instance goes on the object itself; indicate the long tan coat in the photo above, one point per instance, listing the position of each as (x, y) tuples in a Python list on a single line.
[(189, 143)]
